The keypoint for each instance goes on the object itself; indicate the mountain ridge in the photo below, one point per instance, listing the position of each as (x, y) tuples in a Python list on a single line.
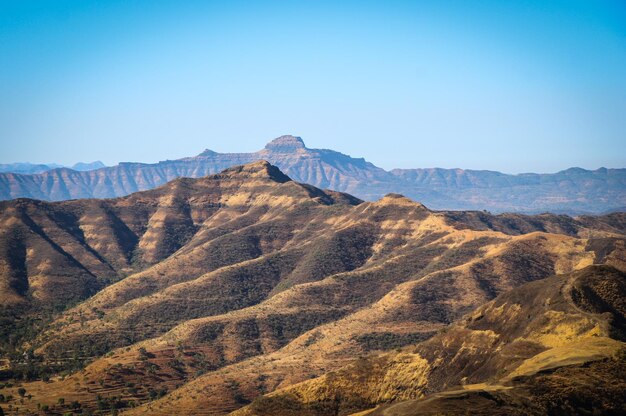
[(210, 292), (493, 360), (34, 168), (572, 191)]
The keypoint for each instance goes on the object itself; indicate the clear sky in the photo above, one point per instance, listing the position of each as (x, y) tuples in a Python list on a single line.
[(514, 86)]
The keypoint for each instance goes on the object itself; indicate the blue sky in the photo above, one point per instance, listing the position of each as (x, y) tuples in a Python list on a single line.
[(514, 86)]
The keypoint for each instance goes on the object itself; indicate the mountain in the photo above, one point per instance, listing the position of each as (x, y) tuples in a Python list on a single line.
[(27, 168), (554, 346), (82, 166), (30, 168), (201, 295), (573, 191)]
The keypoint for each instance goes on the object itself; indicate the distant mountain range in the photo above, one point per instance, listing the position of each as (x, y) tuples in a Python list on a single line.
[(572, 191), (32, 168)]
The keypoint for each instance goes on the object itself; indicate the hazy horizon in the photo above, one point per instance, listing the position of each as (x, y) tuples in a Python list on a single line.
[(69, 165), (514, 87)]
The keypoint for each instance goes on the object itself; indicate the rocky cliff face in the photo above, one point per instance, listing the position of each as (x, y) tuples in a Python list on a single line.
[(572, 191)]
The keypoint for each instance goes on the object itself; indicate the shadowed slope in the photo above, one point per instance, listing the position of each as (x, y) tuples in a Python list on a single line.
[(502, 355), (55, 254)]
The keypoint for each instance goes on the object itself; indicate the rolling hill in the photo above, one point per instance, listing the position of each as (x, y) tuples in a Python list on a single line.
[(554, 346), (204, 294)]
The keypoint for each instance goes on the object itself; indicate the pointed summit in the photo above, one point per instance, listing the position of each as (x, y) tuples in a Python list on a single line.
[(208, 153), (285, 144), (258, 169), (398, 199)]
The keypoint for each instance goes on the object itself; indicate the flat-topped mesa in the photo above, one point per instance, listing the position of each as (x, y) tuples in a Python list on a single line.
[(258, 169), (285, 144)]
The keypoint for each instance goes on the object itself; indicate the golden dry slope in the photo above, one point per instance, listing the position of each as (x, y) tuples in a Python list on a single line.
[(245, 282), (502, 358)]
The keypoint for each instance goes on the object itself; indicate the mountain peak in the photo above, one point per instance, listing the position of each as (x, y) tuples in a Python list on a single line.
[(84, 166), (208, 153), (397, 199), (258, 169), (285, 143)]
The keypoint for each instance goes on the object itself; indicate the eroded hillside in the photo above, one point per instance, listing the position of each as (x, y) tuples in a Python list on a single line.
[(554, 346), (206, 293)]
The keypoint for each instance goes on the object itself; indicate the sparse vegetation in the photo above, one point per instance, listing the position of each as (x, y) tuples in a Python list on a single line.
[(287, 280), (388, 340)]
